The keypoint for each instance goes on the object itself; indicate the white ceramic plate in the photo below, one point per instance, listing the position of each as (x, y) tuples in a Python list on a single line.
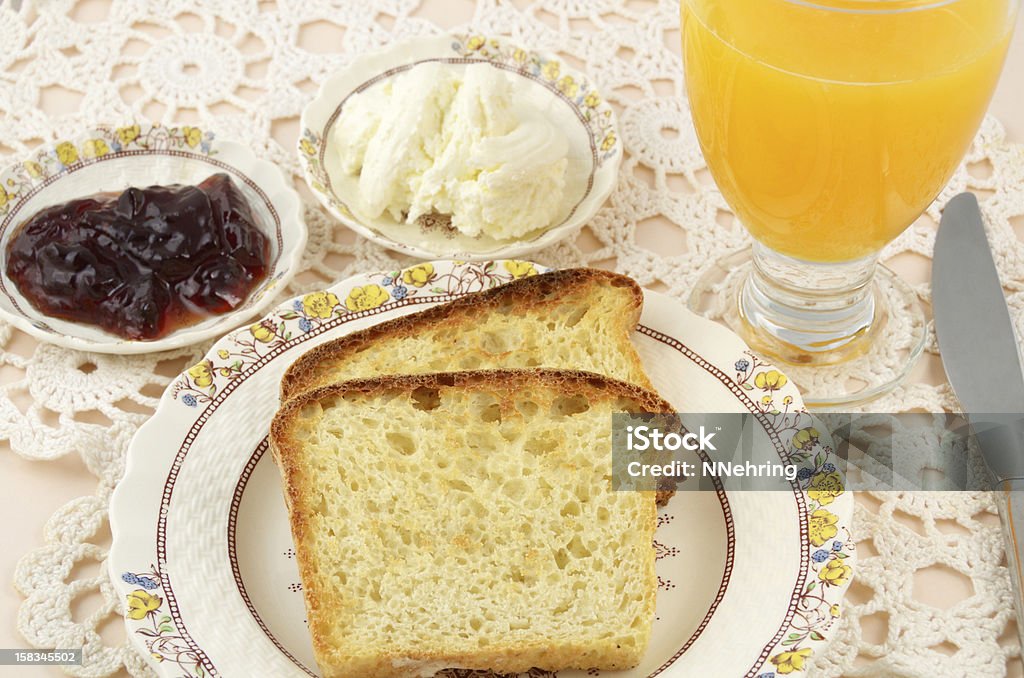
[(542, 81), (114, 158), (749, 582)]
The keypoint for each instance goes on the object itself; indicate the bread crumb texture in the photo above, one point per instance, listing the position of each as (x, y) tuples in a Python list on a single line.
[(467, 520)]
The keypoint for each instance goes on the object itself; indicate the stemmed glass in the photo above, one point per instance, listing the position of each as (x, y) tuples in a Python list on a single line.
[(829, 126)]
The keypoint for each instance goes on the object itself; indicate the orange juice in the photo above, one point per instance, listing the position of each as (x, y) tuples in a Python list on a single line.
[(829, 131)]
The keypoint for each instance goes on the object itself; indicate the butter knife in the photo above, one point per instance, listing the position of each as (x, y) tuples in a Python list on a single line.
[(980, 353)]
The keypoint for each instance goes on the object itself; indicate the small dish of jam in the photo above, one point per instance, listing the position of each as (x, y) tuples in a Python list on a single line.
[(144, 237), (144, 262)]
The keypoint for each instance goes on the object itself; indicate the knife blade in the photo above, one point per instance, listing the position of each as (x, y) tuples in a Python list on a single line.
[(980, 353), (972, 323)]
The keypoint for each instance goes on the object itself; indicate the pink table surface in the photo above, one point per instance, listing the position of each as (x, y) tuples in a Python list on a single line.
[(31, 491)]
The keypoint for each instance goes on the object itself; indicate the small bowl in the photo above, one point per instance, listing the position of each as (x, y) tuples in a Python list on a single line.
[(141, 154), (566, 97)]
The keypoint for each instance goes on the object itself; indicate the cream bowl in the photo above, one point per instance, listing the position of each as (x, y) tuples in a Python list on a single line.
[(541, 82)]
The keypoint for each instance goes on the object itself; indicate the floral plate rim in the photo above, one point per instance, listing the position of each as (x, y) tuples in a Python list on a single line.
[(828, 553)]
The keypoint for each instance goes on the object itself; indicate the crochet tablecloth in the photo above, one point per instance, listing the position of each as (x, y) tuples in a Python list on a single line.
[(245, 69)]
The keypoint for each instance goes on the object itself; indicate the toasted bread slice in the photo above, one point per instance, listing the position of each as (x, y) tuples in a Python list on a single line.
[(467, 520), (578, 319)]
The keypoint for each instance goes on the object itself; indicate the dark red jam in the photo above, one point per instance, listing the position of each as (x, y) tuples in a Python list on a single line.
[(143, 263)]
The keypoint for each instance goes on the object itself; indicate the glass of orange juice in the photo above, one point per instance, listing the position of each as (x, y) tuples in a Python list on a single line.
[(829, 126)]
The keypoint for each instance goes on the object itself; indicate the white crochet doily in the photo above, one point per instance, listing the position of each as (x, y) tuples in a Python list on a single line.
[(246, 68)]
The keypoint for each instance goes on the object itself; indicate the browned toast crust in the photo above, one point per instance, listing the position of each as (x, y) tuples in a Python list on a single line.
[(545, 288), (648, 400)]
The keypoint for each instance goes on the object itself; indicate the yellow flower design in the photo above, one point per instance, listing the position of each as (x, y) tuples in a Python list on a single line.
[(307, 147), (520, 56), (476, 42), (263, 331), (766, 400), (788, 662), (4, 197), (567, 86), (202, 374), (822, 526), (805, 438), (825, 487), (592, 100), (520, 269), (67, 153), (95, 148), (834, 611), (835, 573), (319, 304), (551, 70), (366, 297), (192, 136), (418, 276), (141, 604), (34, 169), (225, 371), (608, 142), (223, 354), (772, 380), (126, 135)]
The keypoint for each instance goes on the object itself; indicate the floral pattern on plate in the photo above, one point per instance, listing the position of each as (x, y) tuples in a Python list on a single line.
[(101, 142), (831, 544), (155, 627), (827, 545), (201, 382)]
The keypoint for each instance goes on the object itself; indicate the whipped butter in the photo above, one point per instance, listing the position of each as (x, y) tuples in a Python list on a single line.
[(443, 140)]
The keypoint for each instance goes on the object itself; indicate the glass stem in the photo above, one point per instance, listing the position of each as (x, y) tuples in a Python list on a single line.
[(808, 312)]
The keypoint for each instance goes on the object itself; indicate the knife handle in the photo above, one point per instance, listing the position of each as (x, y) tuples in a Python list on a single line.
[(1009, 497)]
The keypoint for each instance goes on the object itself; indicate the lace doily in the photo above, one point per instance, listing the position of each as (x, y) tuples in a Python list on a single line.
[(245, 68)]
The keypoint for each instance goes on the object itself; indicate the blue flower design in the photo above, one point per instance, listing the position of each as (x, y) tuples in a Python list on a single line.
[(297, 305), (130, 578), (189, 400), (837, 545), (146, 583), (770, 674), (829, 468), (804, 473), (399, 292), (742, 365), (305, 325), (386, 282), (820, 556)]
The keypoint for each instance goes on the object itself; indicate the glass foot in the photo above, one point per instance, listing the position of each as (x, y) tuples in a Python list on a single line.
[(832, 369)]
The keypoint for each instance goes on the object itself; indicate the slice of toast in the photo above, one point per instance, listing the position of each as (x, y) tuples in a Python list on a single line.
[(467, 520), (578, 319)]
